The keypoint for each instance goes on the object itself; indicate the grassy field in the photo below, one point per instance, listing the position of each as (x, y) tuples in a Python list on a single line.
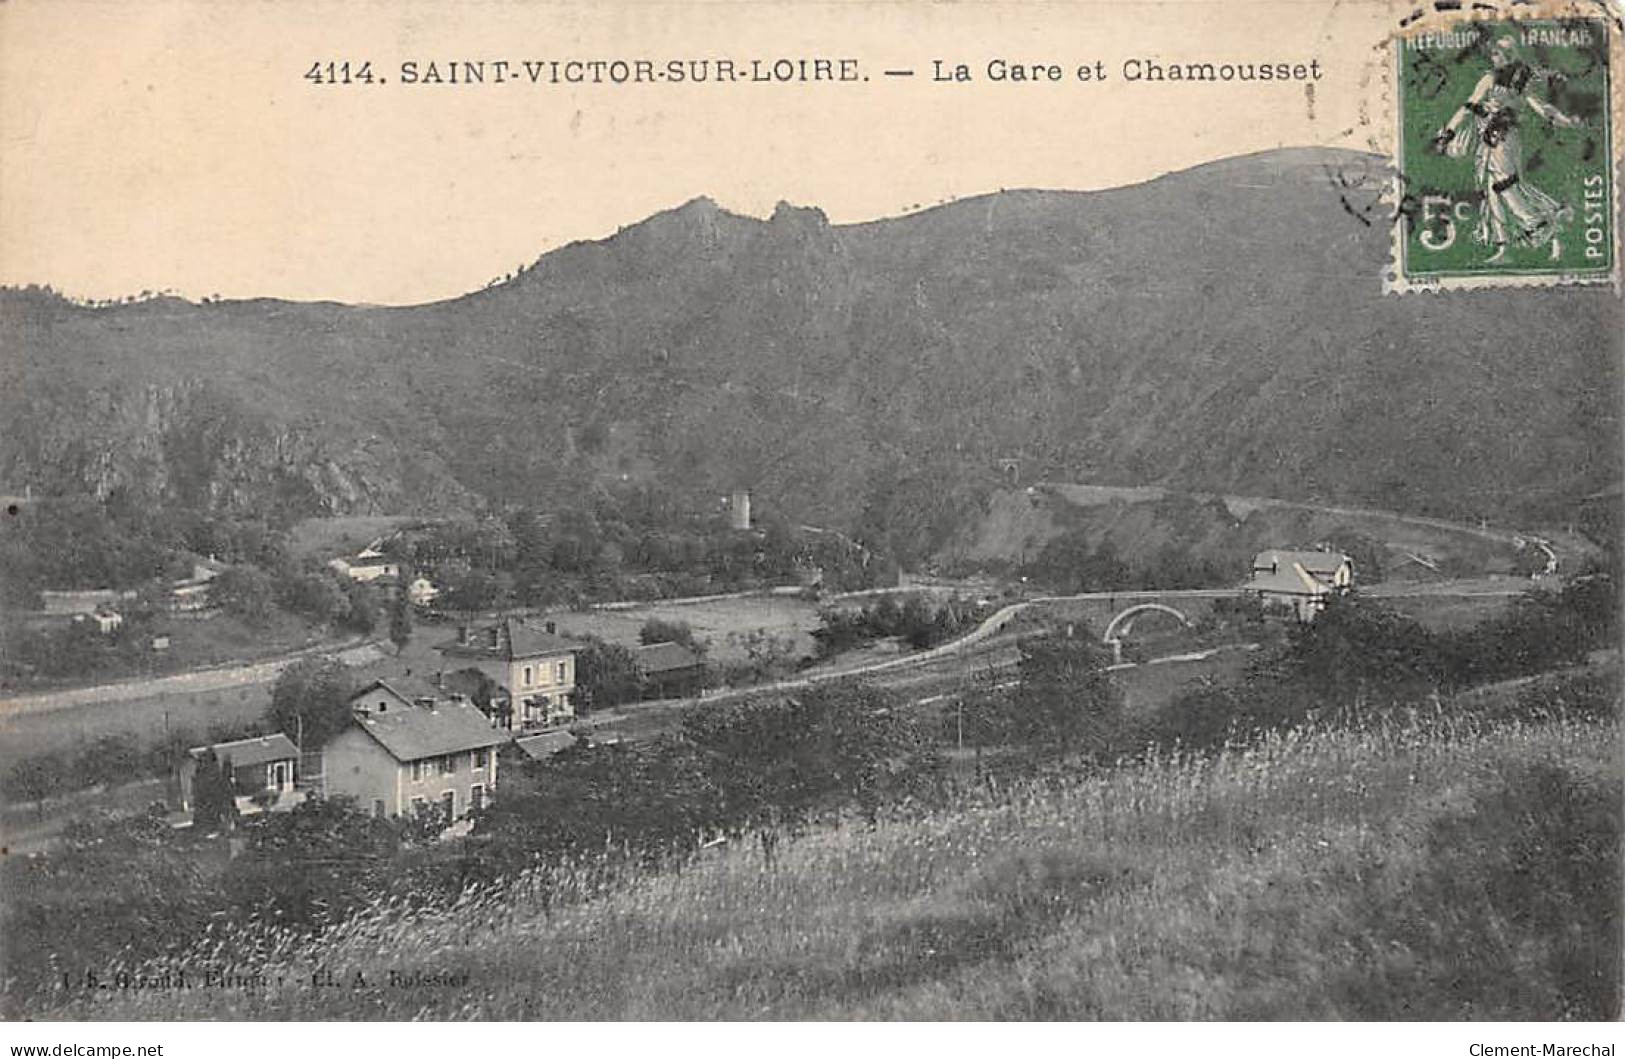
[(1450, 614), (715, 620), (1425, 869)]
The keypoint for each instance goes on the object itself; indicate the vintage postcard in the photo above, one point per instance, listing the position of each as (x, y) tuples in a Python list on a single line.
[(696, 511)]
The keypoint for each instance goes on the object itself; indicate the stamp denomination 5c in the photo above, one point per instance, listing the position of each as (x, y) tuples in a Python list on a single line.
[(1506, 155)]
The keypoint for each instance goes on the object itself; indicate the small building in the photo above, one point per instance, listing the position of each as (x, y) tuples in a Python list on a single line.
[(107, 620), (263, 771), (1300, 582), (544, 745), (85, 602), (369, 564), (422, 592), (407, 751), (532, 669), (669, 670), (190, 595)]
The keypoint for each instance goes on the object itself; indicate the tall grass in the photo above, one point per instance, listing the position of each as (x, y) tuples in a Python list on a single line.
[(1421, 867)]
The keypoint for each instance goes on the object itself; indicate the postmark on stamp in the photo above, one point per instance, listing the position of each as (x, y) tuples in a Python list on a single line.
[(1505, 155)]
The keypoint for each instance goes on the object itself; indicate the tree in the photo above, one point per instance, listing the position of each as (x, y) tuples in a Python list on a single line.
[(310, 700), (776, 762), (1065, 699), (214, 804), (244, 592), (473, 592), (316, 595), (649, 799), (657, 630), (314, 866), (363, 610), (400, 622), (607, 675), (1355, 647), (767, 657)]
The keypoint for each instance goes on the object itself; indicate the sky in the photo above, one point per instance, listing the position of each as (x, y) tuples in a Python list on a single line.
[(179, 146)]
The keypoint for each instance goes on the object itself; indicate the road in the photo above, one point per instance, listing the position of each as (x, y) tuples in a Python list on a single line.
[(997, 622)]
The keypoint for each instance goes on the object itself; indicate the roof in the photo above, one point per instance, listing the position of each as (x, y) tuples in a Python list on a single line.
[(420, 732), (1287, 582), (545, 745), (255, 751), (666, 657), (407, 689), (1314, 562), (203, 571), (516, 639)]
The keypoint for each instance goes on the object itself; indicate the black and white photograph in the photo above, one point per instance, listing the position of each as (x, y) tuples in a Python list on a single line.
[(808, 512)]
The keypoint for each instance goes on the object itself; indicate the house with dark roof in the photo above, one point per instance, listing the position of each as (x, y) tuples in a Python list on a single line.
[(531, 669), (262, 770), (1300, 582), (409, 748), (669, 670)]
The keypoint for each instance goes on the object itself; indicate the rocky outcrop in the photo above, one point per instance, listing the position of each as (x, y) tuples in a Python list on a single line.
[(192, 444)]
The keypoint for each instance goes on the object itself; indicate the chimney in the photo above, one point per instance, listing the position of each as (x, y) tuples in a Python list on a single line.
[(739, 510), (462, 634), (440, 678), (496, 637), (552, 628)]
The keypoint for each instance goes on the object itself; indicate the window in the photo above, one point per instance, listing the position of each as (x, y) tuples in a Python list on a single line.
[(378, 808), (563, 670), (527, 680), (448, 765), (448, 802), (476, 798), (480, 757), (417, 770), (418, 805)]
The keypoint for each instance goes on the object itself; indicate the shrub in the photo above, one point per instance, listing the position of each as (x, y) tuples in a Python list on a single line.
[(656, 630), (1516, 914)]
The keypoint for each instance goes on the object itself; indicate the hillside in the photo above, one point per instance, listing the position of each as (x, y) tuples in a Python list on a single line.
[(1220, 328), (1423, 871)]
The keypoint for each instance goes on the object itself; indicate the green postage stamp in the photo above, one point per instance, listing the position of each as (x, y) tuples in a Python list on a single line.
[(1505, 155)]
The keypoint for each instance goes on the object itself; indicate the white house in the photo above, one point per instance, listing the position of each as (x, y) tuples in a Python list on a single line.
[(369, 564), (262, 770), (1300, 581), (533, 668), (407, 750)]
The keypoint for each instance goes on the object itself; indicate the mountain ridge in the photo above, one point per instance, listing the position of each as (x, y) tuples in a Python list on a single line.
[(1219, 328)]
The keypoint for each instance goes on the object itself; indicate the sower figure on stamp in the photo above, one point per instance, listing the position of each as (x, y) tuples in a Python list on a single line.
[(1513, 207)]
